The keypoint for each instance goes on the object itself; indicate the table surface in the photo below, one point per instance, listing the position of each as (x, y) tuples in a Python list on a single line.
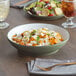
[(11, 64)]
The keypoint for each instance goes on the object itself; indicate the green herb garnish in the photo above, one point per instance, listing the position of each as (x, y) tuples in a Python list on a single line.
[(25, 37), (48, 34), (33, 32), (38, 38)]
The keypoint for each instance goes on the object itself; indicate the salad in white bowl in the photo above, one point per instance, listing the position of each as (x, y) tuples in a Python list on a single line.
[(45, 8)]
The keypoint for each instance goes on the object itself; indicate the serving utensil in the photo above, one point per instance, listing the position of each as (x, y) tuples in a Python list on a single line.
[(21, 2), (51, 67)]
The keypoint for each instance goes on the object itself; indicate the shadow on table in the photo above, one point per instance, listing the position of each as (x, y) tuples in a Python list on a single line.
[(50, 75)]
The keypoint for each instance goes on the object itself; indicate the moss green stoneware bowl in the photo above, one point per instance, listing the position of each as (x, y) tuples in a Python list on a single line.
[(38, 50)]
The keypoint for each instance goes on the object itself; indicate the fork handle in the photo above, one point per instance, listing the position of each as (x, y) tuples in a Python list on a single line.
[(70, 63), (61, 64), (21, 2)]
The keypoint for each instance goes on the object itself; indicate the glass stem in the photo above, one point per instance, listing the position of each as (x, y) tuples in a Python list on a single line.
[(69, 21), (1, 24)]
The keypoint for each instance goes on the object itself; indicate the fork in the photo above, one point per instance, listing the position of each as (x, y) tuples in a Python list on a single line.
[(21, 2), (51, 67)]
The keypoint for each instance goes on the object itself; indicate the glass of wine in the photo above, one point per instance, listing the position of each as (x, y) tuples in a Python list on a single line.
[(4, 9), (69, 11)]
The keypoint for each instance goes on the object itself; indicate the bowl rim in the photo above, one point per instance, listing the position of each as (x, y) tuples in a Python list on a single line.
[(39, 46)]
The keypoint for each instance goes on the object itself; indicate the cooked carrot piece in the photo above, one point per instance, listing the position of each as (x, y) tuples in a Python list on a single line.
[(14, 35), (40, 42), (14, 39), (55, 41), (58, 35), (21, 43), (42, 36), (51, 40), (44, 41), (34, 44), (61, 39), (52, 43), (18, 40), (31, 39), (28, 42)]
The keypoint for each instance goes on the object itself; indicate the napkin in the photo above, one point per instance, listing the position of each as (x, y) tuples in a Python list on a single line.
[(12, 2), (58, 70)]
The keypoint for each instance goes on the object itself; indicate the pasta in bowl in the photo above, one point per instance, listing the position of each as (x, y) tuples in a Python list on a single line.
[(38, 37)]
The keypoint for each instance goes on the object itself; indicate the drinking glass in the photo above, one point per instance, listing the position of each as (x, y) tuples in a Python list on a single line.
[(69, 11), (4, 9)]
